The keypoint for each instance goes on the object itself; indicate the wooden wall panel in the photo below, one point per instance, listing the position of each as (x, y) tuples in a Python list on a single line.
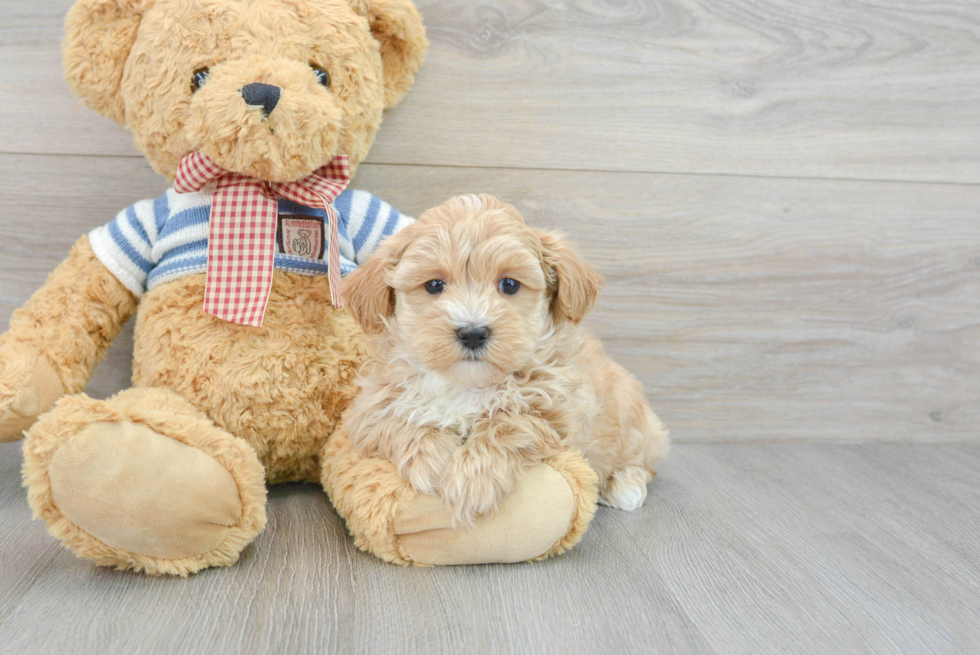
[(871, 90), (753, 309)]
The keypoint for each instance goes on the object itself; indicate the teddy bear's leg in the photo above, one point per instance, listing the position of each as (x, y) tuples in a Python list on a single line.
[(547, 512), (143, 481)]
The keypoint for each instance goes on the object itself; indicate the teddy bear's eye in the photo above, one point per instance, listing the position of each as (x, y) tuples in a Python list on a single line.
[(200, 77), (321, 76)]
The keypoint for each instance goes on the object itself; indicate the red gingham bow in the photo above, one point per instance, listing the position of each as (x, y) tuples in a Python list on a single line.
[(242, 233)]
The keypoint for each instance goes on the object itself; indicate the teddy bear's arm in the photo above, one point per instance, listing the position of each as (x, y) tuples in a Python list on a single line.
[(57, 338), (366, 221), (546, 513)]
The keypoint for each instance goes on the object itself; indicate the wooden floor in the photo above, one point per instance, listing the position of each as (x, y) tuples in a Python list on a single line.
[(798, 548), (784, 197)]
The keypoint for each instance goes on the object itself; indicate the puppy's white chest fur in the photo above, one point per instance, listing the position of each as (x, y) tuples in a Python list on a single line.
[(430, 399)]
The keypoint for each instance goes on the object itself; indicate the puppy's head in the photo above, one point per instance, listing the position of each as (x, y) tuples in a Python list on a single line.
[(470, 290)]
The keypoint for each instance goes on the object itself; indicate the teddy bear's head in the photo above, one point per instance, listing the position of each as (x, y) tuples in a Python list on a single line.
[(273, 89)]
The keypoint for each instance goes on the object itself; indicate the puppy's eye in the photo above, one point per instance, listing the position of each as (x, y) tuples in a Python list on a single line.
[(200, 77), (509, 286), (321, 76), (435, 287)]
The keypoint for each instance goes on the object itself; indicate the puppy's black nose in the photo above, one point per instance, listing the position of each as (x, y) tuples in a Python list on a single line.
[(473, 337), (262, 95)]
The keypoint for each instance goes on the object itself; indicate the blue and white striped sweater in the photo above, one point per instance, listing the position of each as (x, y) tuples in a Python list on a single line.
[(158, 241)]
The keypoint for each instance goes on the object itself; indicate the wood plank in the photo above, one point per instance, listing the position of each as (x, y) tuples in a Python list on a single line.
[(811, 548), (752, 309), (303, 588), (544, 607), (837, 89), (290, 592), (820, 548)]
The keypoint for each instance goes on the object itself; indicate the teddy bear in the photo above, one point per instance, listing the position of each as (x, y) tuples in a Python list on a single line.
[(258, 112)]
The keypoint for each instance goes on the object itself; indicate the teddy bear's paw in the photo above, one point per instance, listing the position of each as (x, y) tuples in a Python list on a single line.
[(143, 481), (139, 491), (537, 514), (29, 386)]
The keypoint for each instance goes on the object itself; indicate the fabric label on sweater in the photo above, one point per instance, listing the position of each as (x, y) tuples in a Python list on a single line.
[(301, 236)]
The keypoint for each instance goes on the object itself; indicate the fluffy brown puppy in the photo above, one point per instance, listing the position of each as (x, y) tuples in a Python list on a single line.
[(480, 368)]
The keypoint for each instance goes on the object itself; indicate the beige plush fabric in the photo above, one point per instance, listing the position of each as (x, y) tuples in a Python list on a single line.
[(546, 514), (281, 387), (36, 392), (118, 459), (65, 329), (536, 514), (134, 60), (107, 480)]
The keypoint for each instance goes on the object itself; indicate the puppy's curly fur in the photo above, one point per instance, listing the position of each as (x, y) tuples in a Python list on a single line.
[(462, 421)]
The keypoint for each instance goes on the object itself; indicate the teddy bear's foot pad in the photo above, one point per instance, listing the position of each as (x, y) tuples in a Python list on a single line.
[(140, 491), (143, 481), (533, 517)]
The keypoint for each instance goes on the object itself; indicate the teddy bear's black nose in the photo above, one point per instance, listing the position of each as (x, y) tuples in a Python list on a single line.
[(262, 95)]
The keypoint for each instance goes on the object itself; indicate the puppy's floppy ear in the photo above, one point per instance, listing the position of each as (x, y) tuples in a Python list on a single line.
[(397, 26), (366, 293), (574, 285), (98, 37)]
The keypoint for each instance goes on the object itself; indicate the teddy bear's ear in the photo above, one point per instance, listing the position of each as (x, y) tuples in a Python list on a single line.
[(397, 26), (98, 37)]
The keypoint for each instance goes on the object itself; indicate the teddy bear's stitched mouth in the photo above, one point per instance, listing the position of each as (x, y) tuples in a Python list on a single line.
[(286, 146)]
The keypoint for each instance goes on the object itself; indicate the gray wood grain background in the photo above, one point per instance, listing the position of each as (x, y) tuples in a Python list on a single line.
[(784, 197)]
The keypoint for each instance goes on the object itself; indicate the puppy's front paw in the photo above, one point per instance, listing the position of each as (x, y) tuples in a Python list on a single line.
[(423, 473), (474, 484), (424, 466)]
